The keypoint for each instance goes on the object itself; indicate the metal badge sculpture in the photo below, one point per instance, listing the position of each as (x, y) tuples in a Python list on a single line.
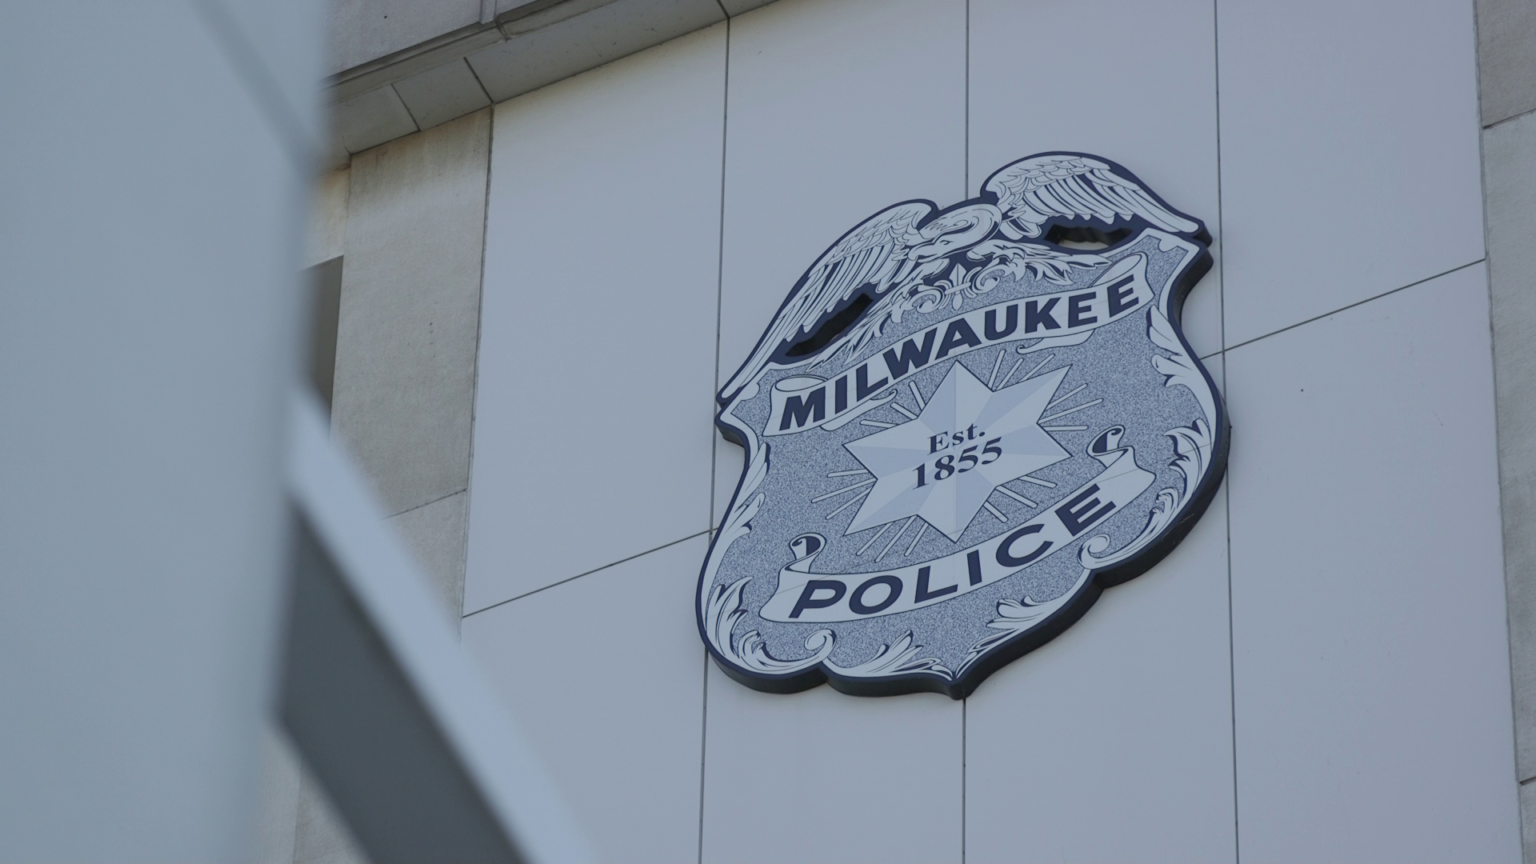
[(961, 426)]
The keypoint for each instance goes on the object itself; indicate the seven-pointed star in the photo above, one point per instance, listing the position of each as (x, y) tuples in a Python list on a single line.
[(921, 468)]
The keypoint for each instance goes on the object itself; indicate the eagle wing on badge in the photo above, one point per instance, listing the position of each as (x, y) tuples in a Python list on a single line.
[(876, 252), (909, 247), (1033, 191)]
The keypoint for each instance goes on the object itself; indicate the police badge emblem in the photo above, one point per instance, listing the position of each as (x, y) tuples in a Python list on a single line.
[(960, 427)]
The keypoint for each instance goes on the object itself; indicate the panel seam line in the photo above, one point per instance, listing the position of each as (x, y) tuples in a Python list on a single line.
[(587, 573), (1221, 274), (714, 443), (1497, 123), (1350, 306), (415, 507)]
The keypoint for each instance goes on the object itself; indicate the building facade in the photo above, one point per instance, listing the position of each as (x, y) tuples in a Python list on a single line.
[(553, 233)]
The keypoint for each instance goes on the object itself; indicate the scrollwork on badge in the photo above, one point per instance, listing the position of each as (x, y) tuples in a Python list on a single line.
[(959, 428)]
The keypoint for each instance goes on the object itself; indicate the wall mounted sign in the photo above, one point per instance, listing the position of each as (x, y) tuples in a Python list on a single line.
[(961, 426)]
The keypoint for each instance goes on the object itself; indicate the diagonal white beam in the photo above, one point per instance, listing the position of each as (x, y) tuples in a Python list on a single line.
[(416, 751)]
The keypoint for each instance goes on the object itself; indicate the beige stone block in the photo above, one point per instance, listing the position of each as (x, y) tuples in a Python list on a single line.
[(366, 30), (1509, 166), (370, 119), (410, 306), (435, 534), (438, 95), (327, 236), (321, 836), (1528, 822), (1506, 58), (279, 799)]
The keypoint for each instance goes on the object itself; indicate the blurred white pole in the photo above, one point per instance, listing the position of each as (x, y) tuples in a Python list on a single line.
[(415, 749), (151, 206), (153, 176)]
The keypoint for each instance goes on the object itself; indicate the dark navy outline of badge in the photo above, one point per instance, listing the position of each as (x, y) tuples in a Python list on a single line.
[(1044, 207)]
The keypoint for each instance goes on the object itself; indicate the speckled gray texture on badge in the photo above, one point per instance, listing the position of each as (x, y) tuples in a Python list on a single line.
[(1129, 380)]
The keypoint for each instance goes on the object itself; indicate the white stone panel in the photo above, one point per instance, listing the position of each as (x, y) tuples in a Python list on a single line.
[(1371, 672), (1132, 82), (592, 438), (823, 777), (1113, 742), (605, 676), (1349, 154), (837, 110), (831, 121)]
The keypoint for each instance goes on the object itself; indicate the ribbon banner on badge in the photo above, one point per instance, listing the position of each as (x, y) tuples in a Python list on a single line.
[(812, 597)]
